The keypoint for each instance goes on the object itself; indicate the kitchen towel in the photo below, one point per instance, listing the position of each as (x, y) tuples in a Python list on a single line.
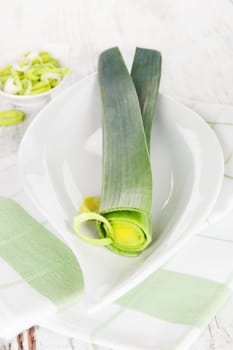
[(167, 311), (40, 275)]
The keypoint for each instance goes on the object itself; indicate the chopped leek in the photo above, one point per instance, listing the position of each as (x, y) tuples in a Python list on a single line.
[(32, 67), (126, 197), (10, 87), (27, 86), (90, 204), (11, 117)]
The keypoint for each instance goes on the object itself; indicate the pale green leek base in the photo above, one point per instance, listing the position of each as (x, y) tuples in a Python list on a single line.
[(125, 232), (132, 231)]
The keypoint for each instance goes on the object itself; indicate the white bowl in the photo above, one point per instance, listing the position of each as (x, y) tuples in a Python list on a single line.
[(58, 170), (22, 100)]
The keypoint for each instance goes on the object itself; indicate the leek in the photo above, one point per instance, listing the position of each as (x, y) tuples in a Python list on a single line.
[(146, 72), (126, 197), (11, 117), (127, 188), (33, 67)]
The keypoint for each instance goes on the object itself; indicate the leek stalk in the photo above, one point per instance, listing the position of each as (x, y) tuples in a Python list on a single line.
[(126, 197)]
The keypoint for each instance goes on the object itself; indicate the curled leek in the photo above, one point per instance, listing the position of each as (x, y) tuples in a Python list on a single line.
[(126, 197), (33, 67)]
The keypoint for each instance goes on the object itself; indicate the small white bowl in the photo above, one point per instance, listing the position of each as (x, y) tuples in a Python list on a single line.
[(43, 97)]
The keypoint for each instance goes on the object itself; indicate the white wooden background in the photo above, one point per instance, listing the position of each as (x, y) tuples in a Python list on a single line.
[(196, 41), (217, 336)]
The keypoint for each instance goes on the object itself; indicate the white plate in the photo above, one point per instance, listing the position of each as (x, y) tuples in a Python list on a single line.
[(57, 172)]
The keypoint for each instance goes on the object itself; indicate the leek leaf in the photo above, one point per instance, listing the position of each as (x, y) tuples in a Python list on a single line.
[(126, 197), (146, 72)]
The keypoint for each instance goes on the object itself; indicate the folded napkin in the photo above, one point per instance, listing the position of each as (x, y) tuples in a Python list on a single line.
[(41, 282)]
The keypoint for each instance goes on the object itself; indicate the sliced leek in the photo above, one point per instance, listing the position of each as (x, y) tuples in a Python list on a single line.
[(126, 197), (11, 117), (34, 67)]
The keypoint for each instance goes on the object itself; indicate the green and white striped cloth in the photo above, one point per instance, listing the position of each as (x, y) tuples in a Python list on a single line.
[(41, 282)]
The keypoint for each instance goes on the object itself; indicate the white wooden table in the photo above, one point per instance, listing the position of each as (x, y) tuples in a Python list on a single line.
[(196, 41), (217, 336)]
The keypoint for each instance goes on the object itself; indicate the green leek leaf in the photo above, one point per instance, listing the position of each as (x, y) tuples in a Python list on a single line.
[(146, 72), (126, 197)]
